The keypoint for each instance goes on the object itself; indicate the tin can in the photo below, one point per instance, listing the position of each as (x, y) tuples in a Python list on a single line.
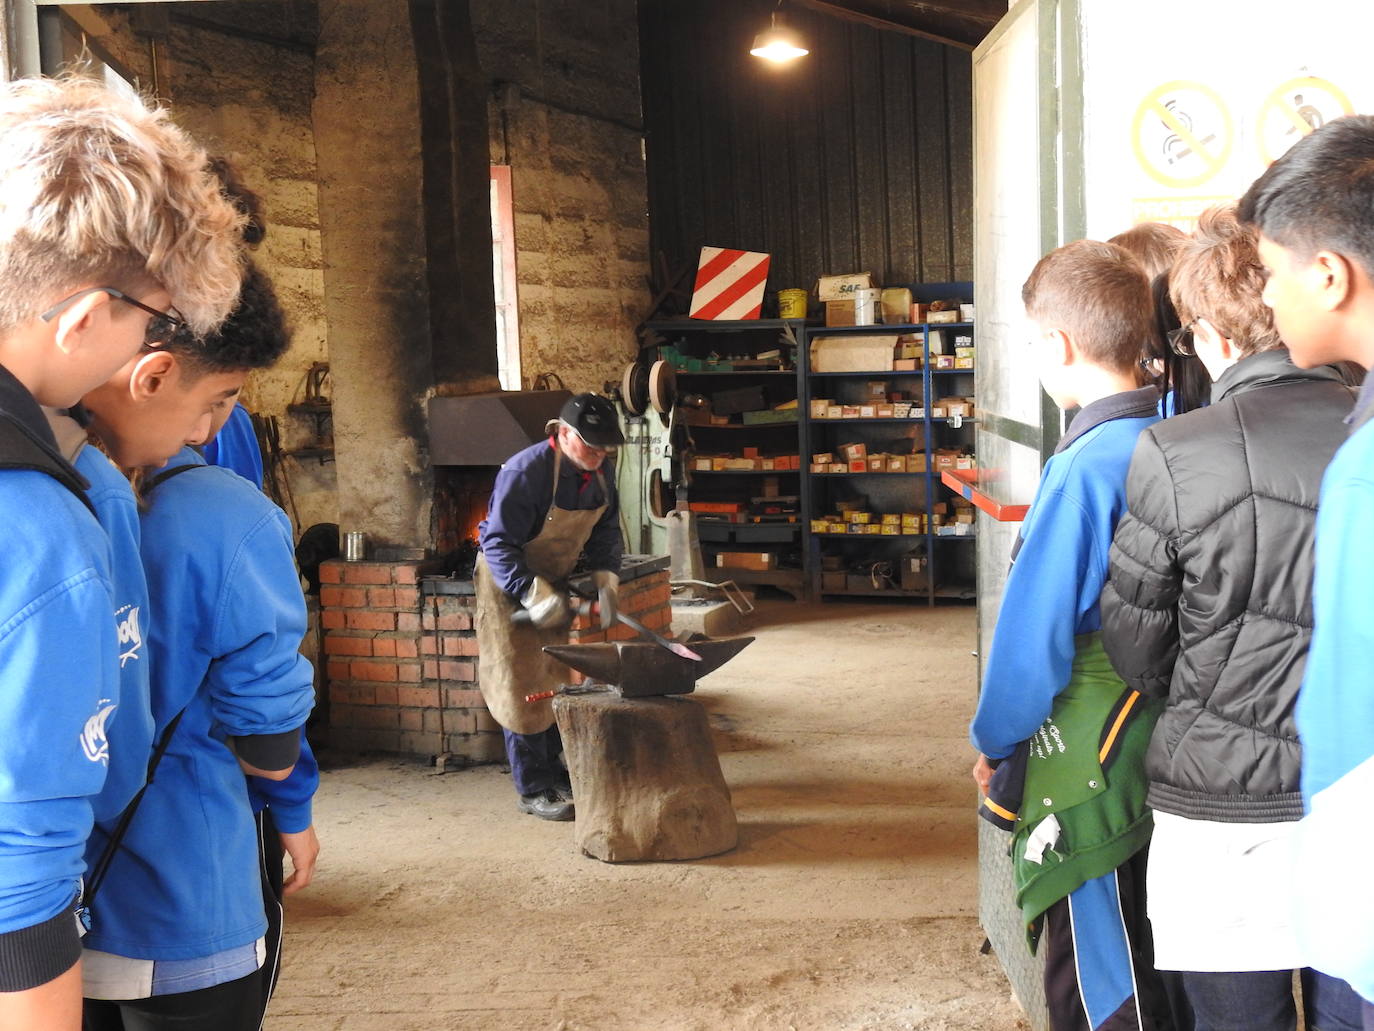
[(355, 546), (792, 304)]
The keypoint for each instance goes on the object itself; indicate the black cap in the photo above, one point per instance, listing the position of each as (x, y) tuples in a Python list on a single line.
[(594, 419)]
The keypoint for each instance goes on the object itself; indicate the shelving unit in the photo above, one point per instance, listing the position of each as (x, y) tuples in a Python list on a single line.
[(780, 537), (948, 569)]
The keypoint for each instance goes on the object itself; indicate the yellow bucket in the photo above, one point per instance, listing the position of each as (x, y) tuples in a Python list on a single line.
[(792, 304)]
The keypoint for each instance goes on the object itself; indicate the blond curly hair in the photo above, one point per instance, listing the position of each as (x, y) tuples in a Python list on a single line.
[(99, 187)]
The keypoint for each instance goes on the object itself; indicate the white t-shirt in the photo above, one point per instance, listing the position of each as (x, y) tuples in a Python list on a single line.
[(1219, 895)]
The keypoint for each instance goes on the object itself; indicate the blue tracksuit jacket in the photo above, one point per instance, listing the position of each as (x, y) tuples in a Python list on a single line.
[(220, 568), (1058, 571), (131, 728), (59, 666)]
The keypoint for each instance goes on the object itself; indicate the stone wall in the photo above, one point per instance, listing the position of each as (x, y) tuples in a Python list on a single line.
[(565, 115), (240, 76)]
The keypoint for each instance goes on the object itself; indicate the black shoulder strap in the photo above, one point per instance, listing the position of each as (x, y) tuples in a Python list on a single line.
[(18, 450), (102, 865), (167, 474)]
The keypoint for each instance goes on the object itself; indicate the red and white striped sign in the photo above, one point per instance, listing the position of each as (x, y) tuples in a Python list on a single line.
[(729, 284)]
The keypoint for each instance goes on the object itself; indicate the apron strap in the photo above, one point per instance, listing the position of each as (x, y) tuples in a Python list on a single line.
[(553, 494)]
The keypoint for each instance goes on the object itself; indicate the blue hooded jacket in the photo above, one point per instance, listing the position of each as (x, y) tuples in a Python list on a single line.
[(219, 562)]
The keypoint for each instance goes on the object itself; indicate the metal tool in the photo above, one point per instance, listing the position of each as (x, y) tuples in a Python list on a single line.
[(676, 647)]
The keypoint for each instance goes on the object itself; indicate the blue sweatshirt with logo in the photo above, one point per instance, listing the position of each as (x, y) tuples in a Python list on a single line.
[(131, 728), (220, 568), (59, 669)]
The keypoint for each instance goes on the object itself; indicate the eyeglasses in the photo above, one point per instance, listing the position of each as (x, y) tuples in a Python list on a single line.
[(161, 329), (1181, 341)]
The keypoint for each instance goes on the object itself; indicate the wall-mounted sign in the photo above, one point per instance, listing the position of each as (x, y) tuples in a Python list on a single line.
[(1182, 134), (1295, 109)]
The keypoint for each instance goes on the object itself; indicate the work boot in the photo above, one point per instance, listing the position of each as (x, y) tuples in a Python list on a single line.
[(564, 789), (547, 805)]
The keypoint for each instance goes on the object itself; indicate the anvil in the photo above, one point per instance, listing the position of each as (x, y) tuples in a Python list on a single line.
[(639, 669)]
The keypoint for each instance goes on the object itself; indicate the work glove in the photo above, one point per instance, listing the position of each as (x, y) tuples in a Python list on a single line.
[(545, 604), (607, 596)]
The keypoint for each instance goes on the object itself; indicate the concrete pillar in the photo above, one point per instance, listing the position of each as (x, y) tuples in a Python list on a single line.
[(405, 224)]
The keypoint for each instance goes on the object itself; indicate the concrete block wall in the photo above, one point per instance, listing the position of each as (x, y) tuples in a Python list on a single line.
[(565, 115), (402, 666)]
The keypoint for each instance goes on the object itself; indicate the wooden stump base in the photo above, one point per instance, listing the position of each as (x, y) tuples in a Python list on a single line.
[(646, 778)]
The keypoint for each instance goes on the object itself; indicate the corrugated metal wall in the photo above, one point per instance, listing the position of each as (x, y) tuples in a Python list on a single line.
[(856, 158)]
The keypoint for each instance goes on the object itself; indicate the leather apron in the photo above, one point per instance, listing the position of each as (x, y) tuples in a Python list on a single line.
[(512, 663)]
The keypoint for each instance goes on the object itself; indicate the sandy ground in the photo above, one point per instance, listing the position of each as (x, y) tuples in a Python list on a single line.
[(850, 902)]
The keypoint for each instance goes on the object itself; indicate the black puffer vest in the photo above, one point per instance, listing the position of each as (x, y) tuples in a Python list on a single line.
[(1209, 603)]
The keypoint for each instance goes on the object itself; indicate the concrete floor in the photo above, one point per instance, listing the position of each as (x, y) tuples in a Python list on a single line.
[(850, 902)]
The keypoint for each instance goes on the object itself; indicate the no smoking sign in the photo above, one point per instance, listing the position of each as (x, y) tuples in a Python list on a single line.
[(1182, 134)]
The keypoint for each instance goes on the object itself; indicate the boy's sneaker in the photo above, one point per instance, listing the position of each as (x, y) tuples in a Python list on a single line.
[(547, 805)]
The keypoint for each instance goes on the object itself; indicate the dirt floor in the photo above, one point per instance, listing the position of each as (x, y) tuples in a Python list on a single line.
[(850, 902)]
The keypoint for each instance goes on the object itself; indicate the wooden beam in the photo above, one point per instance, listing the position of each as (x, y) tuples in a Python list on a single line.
[(887, 23)]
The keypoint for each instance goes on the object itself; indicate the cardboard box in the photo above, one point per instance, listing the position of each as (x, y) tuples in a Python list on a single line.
[(963, 363), (896, 464), (959, 408), (868, 411), (916, 463), (941, 317), (716, 507), (768, 465), (820, 467), (819, 406), (905, 364), (822, 457), (866, 352), (884, 411), (858, 465), (965, 313), (909, 348), (842, 287), (890, 530), (820, 526), (839, 467), (873, 529), (839, 313), (937, 412), (849, 412), (914, 575), (758, 561), (901, 409), (937, 341), (965, 462), (834, 411), (751, 452), (854, 451), (876, 389), (943, 361), (891, 519), (964, 515), (860, 517), (911, 520)]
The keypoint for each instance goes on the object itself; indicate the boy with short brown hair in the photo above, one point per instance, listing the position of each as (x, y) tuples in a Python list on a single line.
[(1064, 734), (113, 237)]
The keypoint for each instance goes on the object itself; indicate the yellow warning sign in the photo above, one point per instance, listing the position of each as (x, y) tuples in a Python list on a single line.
[(1180, 211), (1295, 109), (1182, 134)]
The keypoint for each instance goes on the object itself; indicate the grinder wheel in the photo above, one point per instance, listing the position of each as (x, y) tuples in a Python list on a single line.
[(634, 388), (662, 387)]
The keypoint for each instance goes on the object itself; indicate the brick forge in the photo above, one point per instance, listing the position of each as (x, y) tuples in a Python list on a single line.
[(401, 658)]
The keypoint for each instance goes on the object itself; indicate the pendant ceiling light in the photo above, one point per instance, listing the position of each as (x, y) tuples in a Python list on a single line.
[(778, 43)]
